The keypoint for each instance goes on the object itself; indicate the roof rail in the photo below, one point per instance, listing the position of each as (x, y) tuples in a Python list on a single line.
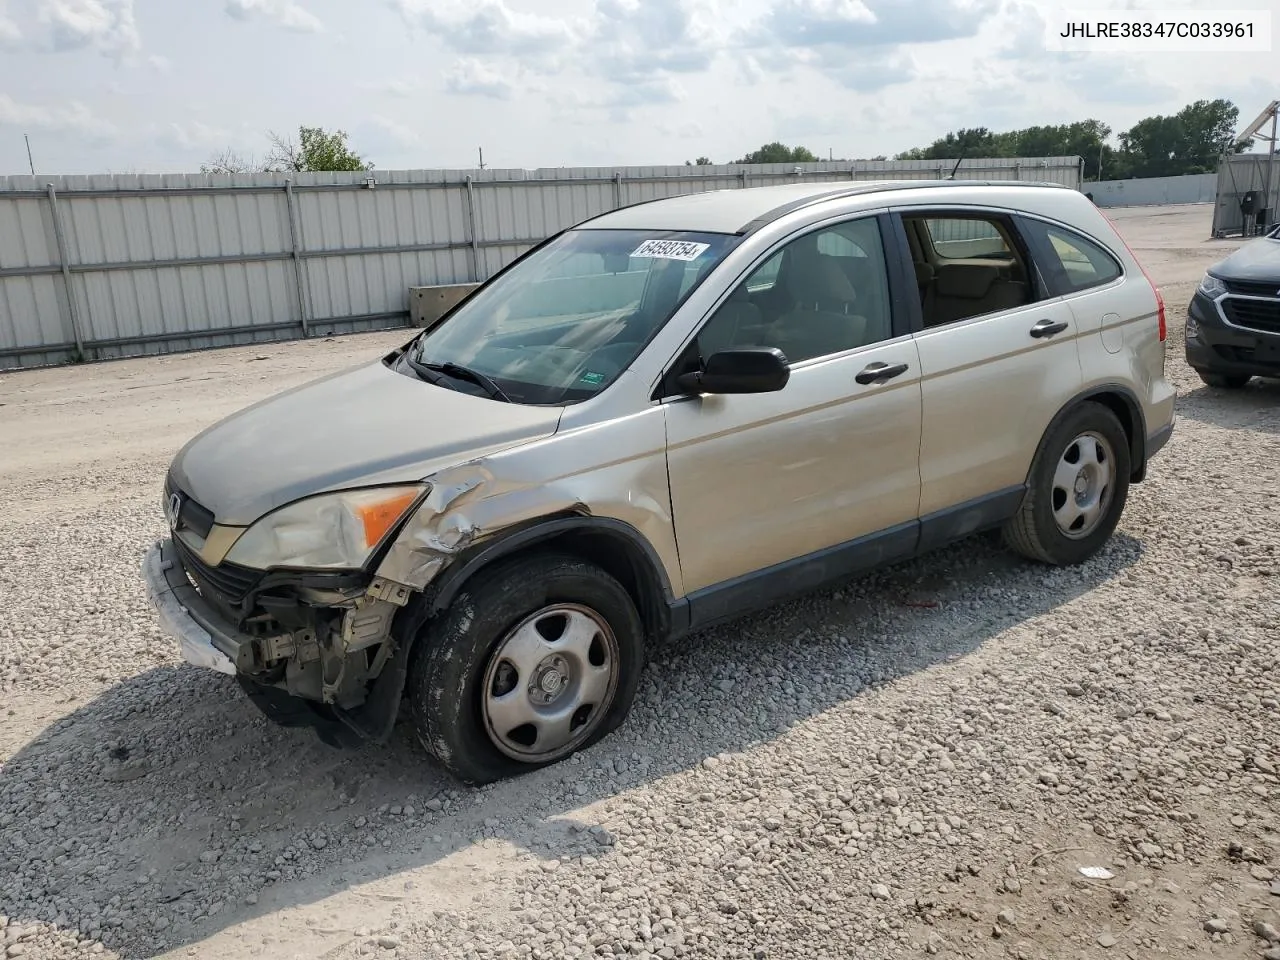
[(877, 186)]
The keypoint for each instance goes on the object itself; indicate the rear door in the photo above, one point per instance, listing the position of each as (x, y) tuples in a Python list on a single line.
[(998, 360)]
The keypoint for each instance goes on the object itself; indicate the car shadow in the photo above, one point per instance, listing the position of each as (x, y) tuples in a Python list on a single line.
[(1256, 407), (129, 814)]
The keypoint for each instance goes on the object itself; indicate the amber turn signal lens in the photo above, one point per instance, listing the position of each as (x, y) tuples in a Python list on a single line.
[(380, 517)]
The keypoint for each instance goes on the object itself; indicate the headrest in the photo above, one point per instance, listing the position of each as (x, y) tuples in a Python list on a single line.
[(966, 281), (815, 278)]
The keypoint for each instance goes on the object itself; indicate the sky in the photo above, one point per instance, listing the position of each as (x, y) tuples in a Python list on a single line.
[(157, 86)]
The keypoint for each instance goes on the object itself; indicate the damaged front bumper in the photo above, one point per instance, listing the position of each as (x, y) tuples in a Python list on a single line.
[(186, 616), (325, 646)]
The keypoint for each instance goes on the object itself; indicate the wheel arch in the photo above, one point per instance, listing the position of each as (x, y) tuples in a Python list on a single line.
[(1121, 401), (613, 545)]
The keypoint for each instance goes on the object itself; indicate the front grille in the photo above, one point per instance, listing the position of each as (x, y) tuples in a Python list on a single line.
[(228, 582), (1254, 288), (1261, 315), (191, 516)]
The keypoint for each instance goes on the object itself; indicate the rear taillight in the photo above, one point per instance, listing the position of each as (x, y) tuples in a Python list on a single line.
[(1164, 329)]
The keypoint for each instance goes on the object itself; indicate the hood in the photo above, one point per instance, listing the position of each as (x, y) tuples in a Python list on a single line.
[(366, 425), (1257, 261)]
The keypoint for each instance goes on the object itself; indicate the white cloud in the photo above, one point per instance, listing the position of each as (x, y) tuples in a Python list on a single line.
[(400, 133), (860, 44), (634, 39), (194, 135), (401, 87), (159, 63), (618, 101), (682, 131), (470, 77), (488, 27), (869, 23), (10, 35), (71, 117), (1093, 77), (283, 13), (107, 26)]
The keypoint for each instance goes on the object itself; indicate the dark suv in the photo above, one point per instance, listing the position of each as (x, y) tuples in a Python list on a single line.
[(1233, 320)]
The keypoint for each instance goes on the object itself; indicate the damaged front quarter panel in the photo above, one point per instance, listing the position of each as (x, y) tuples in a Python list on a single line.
[(438, 531), (477, 502)]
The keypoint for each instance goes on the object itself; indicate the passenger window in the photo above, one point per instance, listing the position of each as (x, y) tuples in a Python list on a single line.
[(823, 293), (1083, 264), (960, 239), (966, 267)]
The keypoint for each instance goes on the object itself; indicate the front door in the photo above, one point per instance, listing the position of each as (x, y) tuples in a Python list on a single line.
[(759, 480)]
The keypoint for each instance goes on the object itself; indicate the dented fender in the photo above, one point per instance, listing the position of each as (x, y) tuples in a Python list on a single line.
[(547, 480)]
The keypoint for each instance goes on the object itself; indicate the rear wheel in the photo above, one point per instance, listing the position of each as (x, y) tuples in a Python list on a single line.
[(534, 660), (1078, 487), (1224, 381)]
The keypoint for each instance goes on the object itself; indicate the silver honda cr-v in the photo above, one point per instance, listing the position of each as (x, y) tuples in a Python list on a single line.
[(660, 419)]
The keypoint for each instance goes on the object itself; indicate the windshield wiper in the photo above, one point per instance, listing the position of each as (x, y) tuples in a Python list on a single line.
[(459, 372)]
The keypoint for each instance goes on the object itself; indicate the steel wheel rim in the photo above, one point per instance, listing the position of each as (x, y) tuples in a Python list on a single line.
[(550, 682), (1083, 485)]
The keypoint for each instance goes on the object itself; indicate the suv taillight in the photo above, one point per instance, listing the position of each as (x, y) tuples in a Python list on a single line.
[(1164, 329)]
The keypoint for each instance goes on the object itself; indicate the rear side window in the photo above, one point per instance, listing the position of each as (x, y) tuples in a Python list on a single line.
[(959, 238), (1074, 263)]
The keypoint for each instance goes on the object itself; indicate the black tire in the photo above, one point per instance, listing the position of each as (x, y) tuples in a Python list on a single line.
[(1224, 381), (452, 657), (1034, 532)]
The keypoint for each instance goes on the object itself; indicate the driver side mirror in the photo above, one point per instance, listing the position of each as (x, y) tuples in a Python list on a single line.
[(749, 370)]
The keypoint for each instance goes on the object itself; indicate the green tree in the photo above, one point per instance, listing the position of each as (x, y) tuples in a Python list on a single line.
[(316, 150), (700, 162), (975, 142), (1190, 141), (779, 153)]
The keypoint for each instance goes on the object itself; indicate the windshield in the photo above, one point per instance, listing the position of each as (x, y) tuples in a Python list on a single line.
[(562, 324)]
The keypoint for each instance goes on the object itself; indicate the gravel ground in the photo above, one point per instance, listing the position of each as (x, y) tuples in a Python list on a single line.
[(918, 763)]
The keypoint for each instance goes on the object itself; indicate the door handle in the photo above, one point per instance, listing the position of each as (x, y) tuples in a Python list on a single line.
[(1048, 328), (880, 372)]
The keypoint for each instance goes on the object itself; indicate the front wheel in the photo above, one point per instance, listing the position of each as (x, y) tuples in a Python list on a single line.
[(535, 659), (1224, 381), (1078, 486)]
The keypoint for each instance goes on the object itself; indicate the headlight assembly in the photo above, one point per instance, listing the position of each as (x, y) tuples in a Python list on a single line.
[(1212, 287), (329, 531)]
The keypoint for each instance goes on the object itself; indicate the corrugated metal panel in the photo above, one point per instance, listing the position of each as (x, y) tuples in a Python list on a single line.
[(1237, 176), (1149, 191), (162, 263)]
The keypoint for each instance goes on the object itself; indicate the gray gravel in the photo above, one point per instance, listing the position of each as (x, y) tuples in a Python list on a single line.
[(918, 763)]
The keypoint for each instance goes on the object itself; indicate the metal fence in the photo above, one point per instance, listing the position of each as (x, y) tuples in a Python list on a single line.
[(109, 266), (1154, 191), (1237, 176)]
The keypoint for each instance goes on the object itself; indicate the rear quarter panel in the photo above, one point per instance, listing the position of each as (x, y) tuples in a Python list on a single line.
[(1119, 322)]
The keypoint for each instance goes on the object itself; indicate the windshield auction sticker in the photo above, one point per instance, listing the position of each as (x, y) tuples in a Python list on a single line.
[(670, 250)]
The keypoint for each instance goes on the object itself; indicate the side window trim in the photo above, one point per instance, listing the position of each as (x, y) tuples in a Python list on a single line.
[(899, 322), (908, 317), (1035, 229)]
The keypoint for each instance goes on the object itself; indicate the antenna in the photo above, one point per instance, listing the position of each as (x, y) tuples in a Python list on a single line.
[(31, 163), (957, 166), (482, 158)]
